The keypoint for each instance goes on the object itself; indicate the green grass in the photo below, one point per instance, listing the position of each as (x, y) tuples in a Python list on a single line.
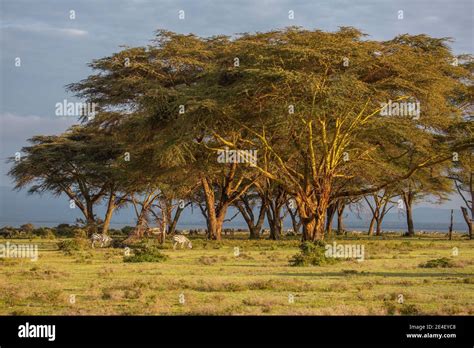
[(212, 280)]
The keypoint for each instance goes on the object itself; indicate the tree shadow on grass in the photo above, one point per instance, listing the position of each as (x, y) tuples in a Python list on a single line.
[(377, 274)]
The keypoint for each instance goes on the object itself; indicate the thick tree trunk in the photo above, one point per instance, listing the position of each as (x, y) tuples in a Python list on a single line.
[(309, 228), (340, 223), (215, 216), (408, 200), (174, 221), (340, 217), (371, 226), (108, 215), (220, 222), (379, 227), (247, 213), (469, 221), (329, 219), (211, 209), (313, 215), (274, 221), (275, 224)]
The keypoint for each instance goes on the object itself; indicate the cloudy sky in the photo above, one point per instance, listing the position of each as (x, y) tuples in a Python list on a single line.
[(55, 49)]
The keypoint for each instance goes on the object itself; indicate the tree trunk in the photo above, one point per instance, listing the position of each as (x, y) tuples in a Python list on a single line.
[(469, 221), (108, 215), (220, 222), (274, 220), (371, 226), (340, 217), (245, 209), (294, 219), (174, 221), (211, 209), (379, 227), (329, 219), (408, 200), (450, 233), (313, 215)]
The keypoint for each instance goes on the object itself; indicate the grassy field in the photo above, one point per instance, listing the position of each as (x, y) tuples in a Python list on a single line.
[(211, 280)]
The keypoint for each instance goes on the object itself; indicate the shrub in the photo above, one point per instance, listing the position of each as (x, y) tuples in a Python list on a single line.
[(69, 246), (79, 233), (409, 309), (27, 228), (146, 254), (127, 230), (208, 260), (438, 263), (8, 232), (64, 230), (312, 254), (44, 232)]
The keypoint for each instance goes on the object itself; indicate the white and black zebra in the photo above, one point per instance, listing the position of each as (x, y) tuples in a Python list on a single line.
[(102, 238), (181, 240)]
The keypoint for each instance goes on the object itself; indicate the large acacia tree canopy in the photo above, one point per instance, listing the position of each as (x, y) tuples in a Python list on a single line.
[(308, 101)]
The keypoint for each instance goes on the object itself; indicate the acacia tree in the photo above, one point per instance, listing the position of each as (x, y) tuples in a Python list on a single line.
[(309, 101), (462, 174), (252, 207), (426, 182), (294, 85), (78, 163), (378, 204)]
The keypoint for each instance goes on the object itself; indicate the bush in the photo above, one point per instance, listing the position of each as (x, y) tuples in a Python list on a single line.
[(208, 260), (127, 230), (44, 232), (438, 263), (312, 254), (70, 246), (79, 233), (409, 309), (65, 230), (146, 254), (28, 228), (8, 232)]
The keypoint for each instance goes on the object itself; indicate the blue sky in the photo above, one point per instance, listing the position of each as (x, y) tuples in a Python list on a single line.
[(55, 49)]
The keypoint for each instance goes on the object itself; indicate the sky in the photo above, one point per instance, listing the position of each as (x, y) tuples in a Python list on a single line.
[(55, 48)]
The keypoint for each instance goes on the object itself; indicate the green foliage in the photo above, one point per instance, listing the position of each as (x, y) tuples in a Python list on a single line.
[(44, 232), (8, 232), (146, 254), (442, 262), (312, 254), (126, 230), (409, 309), (28, 228), (64, 230), (71, 246)]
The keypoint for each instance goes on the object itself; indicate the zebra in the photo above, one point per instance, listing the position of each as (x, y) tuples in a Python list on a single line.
[(102, 238), (181, 240)]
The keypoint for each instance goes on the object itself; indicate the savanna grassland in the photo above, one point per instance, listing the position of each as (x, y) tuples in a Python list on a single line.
[(210, 280)]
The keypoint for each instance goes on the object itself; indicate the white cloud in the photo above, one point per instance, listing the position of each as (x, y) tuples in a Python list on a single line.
[(43, 28)]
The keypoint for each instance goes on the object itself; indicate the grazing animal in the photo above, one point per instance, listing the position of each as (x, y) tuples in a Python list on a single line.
[(102, 238), (181, 240)]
